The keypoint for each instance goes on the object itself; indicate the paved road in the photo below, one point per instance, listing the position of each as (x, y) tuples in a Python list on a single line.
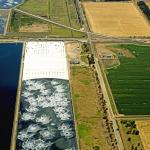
[(106, 97), (99, 71), (16, 40), (110, 111), (96, 37)]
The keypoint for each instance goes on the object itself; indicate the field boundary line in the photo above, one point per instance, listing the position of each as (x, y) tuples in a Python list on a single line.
[(74, 114), (111, 98), (72, 101), (109, 106), (73, 108)]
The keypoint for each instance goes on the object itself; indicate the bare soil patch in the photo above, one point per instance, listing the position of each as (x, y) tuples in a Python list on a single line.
[(104, 50), (73, 50), (34, 28)]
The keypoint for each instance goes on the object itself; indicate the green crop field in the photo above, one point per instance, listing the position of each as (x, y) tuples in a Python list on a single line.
[(37, 7), (26, 26), (63, 11), (130, 82)]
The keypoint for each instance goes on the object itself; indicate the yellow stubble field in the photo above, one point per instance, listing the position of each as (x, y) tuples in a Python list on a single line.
[(144, 129), (116, 19), (148, 3)]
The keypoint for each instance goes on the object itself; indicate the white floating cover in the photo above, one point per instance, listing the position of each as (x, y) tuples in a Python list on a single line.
[(45, 60)]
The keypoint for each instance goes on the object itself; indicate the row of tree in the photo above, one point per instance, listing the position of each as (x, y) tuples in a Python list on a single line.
[(130, 124), (132, 130), (107, 123), (145, 9)]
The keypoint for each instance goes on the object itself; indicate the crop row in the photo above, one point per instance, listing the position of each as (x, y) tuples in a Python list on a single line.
[(130, 82)]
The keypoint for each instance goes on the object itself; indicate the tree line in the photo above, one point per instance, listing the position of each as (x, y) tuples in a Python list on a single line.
[(145, 9)]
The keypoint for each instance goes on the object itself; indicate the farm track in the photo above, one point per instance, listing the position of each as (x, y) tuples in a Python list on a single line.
[(133, 117)]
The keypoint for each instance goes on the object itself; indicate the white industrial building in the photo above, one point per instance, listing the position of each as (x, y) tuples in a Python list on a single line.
[(45, 60)]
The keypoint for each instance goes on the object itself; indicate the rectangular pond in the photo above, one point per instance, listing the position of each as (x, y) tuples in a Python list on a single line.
[(10, 58), (46, 117)]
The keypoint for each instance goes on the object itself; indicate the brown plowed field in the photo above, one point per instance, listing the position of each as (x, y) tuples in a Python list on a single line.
[(116, 19)]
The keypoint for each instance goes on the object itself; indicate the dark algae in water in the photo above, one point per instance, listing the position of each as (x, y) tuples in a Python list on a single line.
[(10, 59)]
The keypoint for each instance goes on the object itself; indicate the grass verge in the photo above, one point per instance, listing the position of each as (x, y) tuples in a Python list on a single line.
[(87, 111)]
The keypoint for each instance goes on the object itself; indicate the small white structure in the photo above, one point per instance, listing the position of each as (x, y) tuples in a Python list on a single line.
[(45, 60)]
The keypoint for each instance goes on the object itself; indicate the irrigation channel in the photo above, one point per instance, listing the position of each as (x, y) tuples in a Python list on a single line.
[(46, 119), (10, 58)]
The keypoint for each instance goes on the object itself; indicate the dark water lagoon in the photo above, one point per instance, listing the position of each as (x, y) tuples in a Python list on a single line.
[(10, 58), (46, 118), (7, 4)]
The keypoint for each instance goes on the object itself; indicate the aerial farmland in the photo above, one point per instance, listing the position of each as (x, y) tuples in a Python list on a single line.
[(143, 126), (130, 82), (116, 19), (75, 75), (63, 13)]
